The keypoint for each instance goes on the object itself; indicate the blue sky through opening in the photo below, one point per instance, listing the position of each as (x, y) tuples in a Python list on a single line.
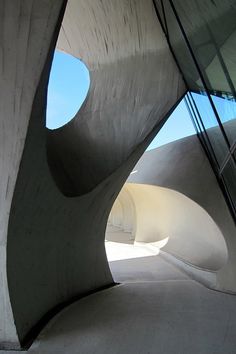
[(68, 88)]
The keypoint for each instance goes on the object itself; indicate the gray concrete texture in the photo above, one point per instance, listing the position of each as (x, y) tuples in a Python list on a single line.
[(57, 187), (129, 59), (166, 317), (27, 29), (157, 309), (55, 244)]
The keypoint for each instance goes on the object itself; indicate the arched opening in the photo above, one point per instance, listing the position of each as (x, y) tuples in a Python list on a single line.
[(161, 214), (165, 219)]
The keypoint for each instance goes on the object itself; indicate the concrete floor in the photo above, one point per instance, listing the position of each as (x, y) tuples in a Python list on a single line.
[(145, 269), (156, 309), (175, 316)]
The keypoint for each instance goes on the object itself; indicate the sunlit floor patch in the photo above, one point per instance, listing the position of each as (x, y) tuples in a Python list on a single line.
[(120, 251), (120, 245)]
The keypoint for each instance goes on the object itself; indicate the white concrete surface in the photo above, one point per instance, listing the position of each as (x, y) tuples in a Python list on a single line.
[(183, 166), (160, 214)]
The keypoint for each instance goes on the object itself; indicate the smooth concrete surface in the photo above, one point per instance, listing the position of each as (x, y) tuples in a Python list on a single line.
[(142, 261), (147, 268), (205, 277), (114, 233), (55, 244), (183, 166), (145, 261), (164, 214), (151, 317), (57, 187), (27, 30), (157, 309), (119, 41)]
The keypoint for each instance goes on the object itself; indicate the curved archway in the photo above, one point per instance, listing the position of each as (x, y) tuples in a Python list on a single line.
[(162, 214), (116, 216)]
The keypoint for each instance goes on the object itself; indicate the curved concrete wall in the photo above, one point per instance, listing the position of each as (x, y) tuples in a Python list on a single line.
[(27, 29), (134, 82), (116, 218), (161, 214), (55, 244), (123, 212), (184, 167)]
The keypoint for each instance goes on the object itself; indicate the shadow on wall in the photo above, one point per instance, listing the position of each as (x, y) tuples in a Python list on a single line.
[(157, 215)]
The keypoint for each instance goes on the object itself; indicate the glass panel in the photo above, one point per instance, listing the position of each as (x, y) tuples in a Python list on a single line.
[(181, 50), (211, 126), (226, 109), (194, 112), (215, 77), (228, 52), (229, 176), (199, 127), (193, 117), (160, 12), (210, 27)]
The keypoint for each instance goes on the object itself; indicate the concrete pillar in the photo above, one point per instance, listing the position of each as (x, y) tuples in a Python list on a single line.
[(27, 30)]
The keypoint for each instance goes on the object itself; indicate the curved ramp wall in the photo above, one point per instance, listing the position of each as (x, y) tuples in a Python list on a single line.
[(183, 166), (163, 214)]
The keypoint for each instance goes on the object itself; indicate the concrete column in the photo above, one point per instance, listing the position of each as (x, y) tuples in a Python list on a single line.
[(27, 29)]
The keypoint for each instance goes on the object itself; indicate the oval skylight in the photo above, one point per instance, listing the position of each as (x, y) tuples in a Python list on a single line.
[(68, 87)]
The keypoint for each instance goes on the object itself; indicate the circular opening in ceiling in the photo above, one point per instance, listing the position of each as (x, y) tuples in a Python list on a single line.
[(68, 87)]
